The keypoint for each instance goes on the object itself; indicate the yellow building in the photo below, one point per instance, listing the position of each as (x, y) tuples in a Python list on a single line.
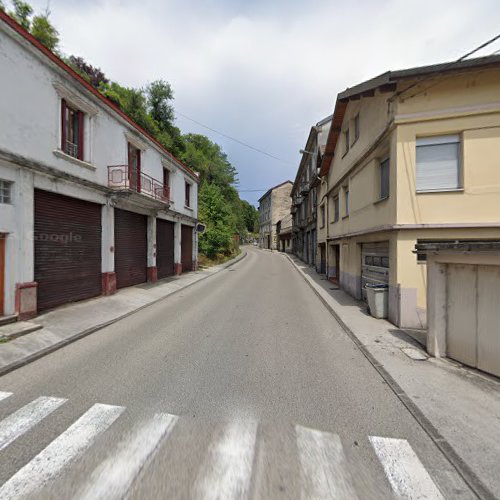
[(412, 156)]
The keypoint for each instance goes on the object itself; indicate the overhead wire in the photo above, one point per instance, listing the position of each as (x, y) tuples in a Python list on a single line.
[(234, 139)]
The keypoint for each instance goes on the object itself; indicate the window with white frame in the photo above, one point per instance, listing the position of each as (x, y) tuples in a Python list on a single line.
[(438, 163), (5, 191)]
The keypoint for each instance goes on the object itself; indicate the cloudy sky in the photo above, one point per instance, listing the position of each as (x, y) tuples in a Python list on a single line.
[(265, 71)]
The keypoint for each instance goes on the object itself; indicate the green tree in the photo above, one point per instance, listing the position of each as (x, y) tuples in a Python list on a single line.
[(43, 30), (215, 213), (2, 6), (22, 13)]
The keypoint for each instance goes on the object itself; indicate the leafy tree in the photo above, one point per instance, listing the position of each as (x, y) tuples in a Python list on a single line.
[(92, 74), (22, 13), (2, 6), (43, 30), (215, 213), (250, 216)]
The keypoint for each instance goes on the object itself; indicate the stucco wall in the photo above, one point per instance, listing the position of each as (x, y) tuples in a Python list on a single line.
[(31, 122)]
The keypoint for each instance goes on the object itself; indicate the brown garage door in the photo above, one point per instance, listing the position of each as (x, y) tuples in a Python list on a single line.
[(187, 248), (131, 248), (67, 249), (164, 248)]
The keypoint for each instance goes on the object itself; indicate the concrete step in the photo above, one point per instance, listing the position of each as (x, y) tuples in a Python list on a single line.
[(6, 320), (18, 329)]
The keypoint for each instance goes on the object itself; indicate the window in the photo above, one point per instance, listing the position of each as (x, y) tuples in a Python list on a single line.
[(356, 128), (5, 191), (72, 130), (346, 141), (438, 163), (166, 177), (336, 209), (346, 199), (322, 214), (134, 167), (188, 194), (384, 179)]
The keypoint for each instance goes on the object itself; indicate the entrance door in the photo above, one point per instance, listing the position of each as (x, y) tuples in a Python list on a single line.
[(374, 264), (186, 248), (164, 248), (322, 258), (131, 248), (2, 272)]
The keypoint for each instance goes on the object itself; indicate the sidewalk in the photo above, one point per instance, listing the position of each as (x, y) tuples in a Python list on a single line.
[(73, 321), (457, 406)]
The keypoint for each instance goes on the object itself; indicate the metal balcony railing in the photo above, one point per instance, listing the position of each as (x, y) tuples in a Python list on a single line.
[(70, 148), (125, 178)]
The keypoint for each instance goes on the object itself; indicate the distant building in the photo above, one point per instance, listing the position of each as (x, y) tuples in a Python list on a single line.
[(274, 205), (284, 233), (305, 194)]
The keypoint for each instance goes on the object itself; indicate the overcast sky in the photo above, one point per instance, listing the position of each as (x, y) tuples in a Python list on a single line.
[(265, 71)]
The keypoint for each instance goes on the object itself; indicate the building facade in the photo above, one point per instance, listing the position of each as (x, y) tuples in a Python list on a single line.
[(284, 234), (274, 205), (411, 157), (89, 202), (305, 195)]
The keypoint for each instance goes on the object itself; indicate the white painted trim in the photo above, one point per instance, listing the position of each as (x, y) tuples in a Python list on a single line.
[(72, 159), (74, 99), (136, 141)]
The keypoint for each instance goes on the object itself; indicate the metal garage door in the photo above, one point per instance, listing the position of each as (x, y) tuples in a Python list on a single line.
[(67, 249), (374, 264), (131, 248), (472, 335), (187, 248), (164, 248)]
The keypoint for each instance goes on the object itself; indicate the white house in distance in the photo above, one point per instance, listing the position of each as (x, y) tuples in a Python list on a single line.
[(89, 202)]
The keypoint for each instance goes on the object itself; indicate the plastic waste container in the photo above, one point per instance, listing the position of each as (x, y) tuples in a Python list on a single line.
[(378, 299)]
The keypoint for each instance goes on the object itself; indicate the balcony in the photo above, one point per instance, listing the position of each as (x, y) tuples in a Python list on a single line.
[(304, 187), (138, 185)]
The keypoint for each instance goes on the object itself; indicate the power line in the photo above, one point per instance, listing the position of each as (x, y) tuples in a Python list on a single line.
[(234, 139), (446, 66), (251, 190)]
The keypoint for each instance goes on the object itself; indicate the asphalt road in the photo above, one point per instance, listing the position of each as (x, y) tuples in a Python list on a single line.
[(241, 386)]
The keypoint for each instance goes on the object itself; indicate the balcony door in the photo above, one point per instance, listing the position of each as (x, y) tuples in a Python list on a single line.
[(134, 168)]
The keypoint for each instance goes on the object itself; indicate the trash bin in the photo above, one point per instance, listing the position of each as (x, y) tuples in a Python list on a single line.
[(378, 299)]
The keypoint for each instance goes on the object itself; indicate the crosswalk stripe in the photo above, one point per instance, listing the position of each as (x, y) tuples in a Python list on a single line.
[(227, 471), (5, 395), (324, 467), (59, 453), (25, 418), (113, 478), (407, 475)]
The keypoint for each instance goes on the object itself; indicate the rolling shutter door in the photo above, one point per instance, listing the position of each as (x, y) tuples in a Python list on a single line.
[(131, 248), (164, 248), (67, 249), (374, 264), (187, 248)]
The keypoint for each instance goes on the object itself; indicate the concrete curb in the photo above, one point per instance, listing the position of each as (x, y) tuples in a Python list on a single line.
[(79, 335), (466, 473)]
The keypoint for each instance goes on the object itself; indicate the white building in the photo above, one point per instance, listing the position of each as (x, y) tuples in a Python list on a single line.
[(89, 202)]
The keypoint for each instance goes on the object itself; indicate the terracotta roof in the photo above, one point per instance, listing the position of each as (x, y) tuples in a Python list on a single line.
[(73, 74)]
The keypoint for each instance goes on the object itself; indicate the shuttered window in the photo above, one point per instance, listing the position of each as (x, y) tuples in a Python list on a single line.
[(438, 163)]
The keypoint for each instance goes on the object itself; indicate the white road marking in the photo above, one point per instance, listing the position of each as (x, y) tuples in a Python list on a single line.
[(227, 471), (406, 473), (47, 465), (25, 418), (324, 468), (113, 478), (5, 395)]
